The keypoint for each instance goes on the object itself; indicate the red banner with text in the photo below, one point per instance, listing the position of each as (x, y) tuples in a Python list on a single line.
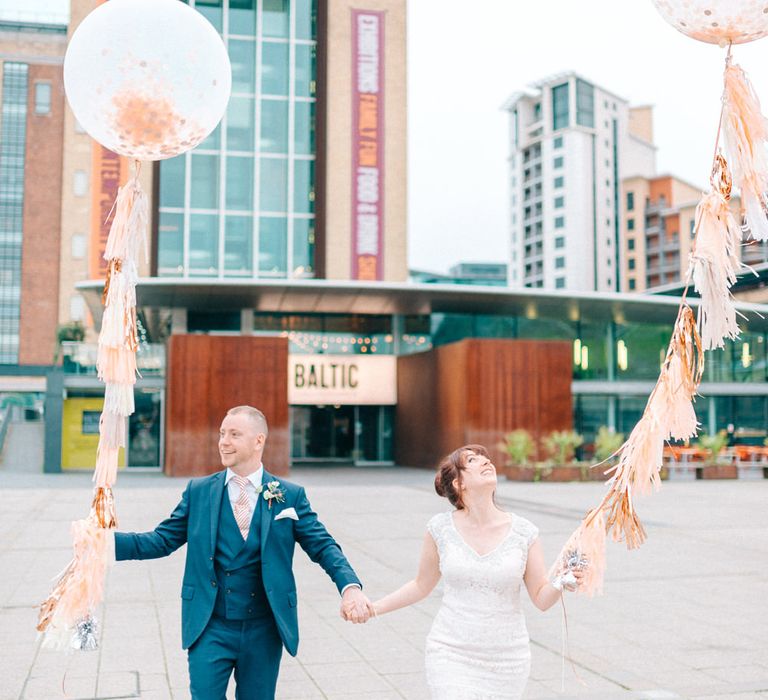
[(367, 144)]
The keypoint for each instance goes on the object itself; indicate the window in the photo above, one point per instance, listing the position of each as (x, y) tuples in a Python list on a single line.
[(631, 284), (78, 246), (80, 185), (560, 242), (559, 263), (559, 222), (630, 244), (558, 162), (559, 182), (560, 116), (631, 263), (560, 283), (558, 142), (585, 104), (42, 98), (77, 308), (559, 202), (630, 201), (537, 111), (630, 224)]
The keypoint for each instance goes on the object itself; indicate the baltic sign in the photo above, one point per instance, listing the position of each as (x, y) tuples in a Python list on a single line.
[(357, 380)]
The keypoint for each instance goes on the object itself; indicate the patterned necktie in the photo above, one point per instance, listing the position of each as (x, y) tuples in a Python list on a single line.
[(242, 507)]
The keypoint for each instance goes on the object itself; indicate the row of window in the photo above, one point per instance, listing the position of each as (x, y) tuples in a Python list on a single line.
[(13, 137), (210, 245), (275, 118), (275, 20), (274, 68), (277, 178), (585, 105)]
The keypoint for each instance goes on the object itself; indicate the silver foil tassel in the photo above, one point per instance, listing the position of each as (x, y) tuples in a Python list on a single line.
[(86, 635)]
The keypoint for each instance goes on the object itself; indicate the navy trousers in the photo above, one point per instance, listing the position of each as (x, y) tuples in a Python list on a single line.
[(252, 648)]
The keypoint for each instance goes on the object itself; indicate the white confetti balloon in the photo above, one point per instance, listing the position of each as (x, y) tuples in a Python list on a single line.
[(148, 79), (717, 21)]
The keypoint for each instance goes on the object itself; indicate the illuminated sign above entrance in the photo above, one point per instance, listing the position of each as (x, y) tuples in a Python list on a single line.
[(354, 380)]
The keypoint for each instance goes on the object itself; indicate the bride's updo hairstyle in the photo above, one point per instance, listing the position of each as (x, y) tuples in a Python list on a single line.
[(450, 470)]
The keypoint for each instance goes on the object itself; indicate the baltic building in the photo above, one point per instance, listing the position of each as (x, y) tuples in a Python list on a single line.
[(278, 274)]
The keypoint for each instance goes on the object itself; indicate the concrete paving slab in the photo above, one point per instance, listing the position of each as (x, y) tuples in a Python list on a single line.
[(685, 616)]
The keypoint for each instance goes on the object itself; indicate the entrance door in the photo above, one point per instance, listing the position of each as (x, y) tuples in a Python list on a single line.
[(358, 434), (323, 433)]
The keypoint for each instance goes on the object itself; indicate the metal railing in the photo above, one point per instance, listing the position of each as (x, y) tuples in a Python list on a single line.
[(80, 358)]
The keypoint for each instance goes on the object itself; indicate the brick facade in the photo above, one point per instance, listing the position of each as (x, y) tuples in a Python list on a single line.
[(42, 221)]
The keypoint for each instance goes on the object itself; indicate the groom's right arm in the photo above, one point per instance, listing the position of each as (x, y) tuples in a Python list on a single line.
[(166, 538)]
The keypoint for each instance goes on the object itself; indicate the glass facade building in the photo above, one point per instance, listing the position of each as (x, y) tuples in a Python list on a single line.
[(242, 204), (12, 149)]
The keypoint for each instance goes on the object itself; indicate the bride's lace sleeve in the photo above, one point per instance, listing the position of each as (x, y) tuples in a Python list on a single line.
[(527, 530), (436, 526)]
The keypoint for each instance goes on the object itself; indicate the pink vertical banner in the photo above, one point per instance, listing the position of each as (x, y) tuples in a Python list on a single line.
[(367, 145)]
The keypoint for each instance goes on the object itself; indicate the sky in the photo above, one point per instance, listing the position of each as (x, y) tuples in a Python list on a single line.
[(466, 58)]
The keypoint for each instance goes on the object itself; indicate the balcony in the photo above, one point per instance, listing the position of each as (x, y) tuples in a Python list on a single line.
[(80, 358)]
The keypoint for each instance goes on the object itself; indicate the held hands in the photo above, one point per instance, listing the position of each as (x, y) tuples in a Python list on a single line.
[(355, 606)]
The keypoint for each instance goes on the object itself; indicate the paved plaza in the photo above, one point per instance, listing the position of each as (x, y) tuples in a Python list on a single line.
[(686, 616)]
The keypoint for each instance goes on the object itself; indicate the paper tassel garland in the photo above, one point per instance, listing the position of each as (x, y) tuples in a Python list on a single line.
[(67, 616)]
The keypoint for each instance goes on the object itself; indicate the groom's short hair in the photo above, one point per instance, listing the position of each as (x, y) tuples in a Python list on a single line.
[(258, 419)]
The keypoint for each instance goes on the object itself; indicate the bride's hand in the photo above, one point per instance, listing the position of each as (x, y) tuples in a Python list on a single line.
[(579, 575)]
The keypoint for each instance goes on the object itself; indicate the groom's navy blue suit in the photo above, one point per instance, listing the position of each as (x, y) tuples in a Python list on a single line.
[(238, 596)]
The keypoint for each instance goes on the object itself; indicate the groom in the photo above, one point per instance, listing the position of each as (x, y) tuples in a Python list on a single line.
[(238, 593)]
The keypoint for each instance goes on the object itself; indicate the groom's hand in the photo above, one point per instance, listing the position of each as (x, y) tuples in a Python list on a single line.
[(355, 606)]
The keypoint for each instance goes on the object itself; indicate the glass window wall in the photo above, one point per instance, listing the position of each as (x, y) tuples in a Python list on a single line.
[(234, 172)]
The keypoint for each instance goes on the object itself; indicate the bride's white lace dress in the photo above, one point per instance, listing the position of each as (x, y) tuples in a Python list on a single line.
[(478, 647)]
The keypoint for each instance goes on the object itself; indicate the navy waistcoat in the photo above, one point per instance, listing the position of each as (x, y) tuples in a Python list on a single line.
[(237, 566)]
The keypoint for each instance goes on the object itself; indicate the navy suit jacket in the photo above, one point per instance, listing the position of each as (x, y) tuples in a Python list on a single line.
[(195, 522)]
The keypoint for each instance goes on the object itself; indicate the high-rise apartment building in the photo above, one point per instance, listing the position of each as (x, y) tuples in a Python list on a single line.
[(657, 231), (571, 144)]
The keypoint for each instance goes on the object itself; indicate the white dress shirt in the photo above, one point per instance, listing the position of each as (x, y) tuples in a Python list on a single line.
[(251, 488)]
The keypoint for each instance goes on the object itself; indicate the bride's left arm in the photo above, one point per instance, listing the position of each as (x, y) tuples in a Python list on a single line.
[(543, 594)]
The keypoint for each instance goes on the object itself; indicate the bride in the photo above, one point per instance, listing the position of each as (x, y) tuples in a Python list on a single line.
[(478, 647)]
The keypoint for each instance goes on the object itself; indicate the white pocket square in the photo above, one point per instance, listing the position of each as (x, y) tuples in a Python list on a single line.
[(287, 513)]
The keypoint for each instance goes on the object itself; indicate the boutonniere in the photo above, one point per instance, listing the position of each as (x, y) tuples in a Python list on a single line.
[(272, 492)]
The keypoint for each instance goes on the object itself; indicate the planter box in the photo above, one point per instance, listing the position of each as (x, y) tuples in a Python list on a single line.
[(525, 472), (556, 472), (560, 472), (717, 471)]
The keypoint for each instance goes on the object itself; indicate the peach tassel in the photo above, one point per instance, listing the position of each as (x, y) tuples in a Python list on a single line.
[(746, 136)]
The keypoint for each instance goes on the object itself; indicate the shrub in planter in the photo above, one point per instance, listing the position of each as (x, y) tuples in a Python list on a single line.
[(518, 446), (712, 469), (607, 442), (560, 446)]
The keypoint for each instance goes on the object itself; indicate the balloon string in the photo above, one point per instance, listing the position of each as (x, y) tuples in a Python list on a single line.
[(566, 650)]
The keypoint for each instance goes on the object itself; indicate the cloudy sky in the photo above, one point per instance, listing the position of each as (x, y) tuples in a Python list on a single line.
[(466, 58)]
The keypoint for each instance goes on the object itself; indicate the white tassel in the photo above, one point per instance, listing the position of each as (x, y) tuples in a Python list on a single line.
[(746, 136), (715, 266), (128, 232), (105, 473), (672, 404), (111, 430), (640, 457), (118, 399)]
